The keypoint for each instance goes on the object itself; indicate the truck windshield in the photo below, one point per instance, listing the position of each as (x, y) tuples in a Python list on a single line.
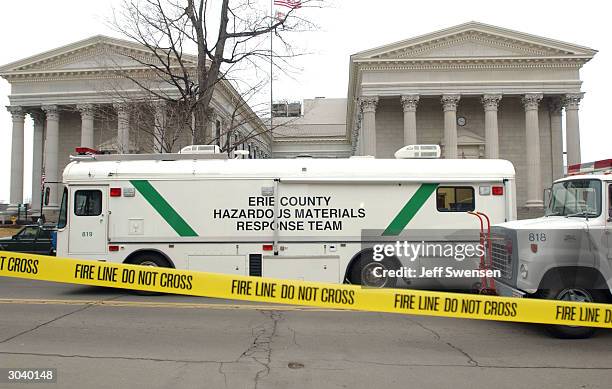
[(575, 198)]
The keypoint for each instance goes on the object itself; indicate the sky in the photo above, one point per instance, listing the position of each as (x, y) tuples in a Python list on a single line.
[(344, 27)]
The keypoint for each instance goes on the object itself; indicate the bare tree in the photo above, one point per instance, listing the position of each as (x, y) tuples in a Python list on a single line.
[(230, 39)]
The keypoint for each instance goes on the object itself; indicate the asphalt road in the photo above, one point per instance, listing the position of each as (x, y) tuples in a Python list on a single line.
[(106, 338)]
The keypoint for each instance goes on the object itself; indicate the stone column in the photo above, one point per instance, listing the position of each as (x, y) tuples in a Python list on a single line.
[(16, 194), (449, 102), (211, 122), (409, 103), (37, 156), (368, 106), (87, 125), (572, 127), (123, 128), (160, 127), (531, 102), (51, 155), (555, 106), (491, 103)]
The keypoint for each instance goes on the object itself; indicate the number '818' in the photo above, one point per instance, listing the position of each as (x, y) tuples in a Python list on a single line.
[(537, 237)]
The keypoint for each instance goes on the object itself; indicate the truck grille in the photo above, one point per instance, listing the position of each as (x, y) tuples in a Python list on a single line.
[(501, 259)]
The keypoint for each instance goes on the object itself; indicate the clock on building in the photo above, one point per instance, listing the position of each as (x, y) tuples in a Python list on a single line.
[(461, 121)]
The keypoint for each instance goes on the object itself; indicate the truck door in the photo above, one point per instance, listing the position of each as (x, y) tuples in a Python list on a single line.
[(88, 220)]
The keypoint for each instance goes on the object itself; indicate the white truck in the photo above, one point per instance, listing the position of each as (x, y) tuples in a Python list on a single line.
[(306, 219), (566, 254)]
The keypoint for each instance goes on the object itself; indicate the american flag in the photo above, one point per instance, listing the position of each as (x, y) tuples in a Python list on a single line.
[(289, 3)]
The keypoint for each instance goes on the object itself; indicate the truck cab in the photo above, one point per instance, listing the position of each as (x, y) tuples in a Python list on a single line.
[(567, 253)]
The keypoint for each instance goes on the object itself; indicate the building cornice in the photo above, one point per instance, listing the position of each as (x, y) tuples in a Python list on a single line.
[(340, 140), (469, 63)]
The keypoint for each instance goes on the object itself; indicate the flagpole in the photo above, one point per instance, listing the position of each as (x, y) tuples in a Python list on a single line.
[(271, 63)]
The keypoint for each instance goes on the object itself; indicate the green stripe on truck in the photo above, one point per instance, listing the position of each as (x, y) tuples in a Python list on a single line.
[(410, 209), (162, 207)]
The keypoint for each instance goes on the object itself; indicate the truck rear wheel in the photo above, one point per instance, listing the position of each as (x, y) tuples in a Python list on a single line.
[(365, 269), (572, 294)]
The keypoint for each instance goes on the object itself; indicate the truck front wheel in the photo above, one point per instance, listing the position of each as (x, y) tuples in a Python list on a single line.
[(148, 259), (575, 294)]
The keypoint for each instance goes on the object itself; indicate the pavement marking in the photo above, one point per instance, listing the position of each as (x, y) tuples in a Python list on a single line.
[(143, 304)]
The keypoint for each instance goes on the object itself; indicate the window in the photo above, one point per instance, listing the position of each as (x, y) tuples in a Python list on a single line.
[(63, 213), (28, 233), (44, 234), (455, 199), (576, 198), (218, 132), (88, 203)]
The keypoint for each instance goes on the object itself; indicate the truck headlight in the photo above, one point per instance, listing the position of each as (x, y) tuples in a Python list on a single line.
[(523, 270)]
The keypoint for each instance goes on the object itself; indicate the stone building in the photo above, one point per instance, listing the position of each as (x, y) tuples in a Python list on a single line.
[(479, 91), (84, 94)]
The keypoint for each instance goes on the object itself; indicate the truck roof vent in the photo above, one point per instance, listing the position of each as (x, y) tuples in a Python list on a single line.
[(200, 149), (418, 151)]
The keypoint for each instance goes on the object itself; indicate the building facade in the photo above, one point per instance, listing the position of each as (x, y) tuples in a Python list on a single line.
[(85, 94), (479, 91)]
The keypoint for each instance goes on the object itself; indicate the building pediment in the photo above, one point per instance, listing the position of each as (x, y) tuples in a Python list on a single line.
[(475, 40), (98, 53)]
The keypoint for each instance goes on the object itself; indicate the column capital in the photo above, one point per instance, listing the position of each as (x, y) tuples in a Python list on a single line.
[(368, 103), (450, 101), (410, 102), (490, 102), (211, 114), (121, 108), (52, 111), (38, 117), (86, 110), (17, 112), (572, 100), (555, 105), (531, 101)]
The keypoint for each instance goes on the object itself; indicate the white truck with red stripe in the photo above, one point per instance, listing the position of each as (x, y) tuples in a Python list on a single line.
[(293, 218), (567, 254)]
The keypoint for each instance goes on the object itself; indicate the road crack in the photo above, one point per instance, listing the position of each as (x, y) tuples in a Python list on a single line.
[(81, 309), (260, 350), (436, 335)]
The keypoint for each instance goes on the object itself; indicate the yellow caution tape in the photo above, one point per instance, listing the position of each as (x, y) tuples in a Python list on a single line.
[(314, 294)]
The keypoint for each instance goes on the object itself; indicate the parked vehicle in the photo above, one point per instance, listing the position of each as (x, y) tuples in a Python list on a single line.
[(32, 239), (298, 218), (567, 254)]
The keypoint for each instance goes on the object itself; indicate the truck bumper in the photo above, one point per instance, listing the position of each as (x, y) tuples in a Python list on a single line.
[(507, 290)]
